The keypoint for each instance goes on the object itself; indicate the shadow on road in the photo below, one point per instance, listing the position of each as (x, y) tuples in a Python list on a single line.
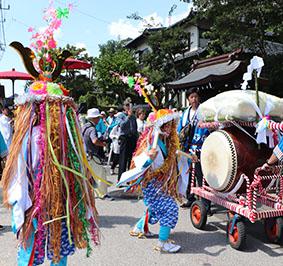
[(254, 232), (106, 221), (119, 194), (194, 243), (6, 229)]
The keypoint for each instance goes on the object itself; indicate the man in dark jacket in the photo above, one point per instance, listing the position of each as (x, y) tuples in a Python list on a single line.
[(128, 139)]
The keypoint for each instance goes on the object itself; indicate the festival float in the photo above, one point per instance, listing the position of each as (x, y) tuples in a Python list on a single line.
[(245, 127)]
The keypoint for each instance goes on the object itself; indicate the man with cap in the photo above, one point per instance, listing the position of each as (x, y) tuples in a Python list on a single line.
[(111, 119), (93, 145), (90, 134)]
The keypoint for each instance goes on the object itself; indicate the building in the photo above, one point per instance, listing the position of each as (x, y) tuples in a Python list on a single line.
[(196, 43)]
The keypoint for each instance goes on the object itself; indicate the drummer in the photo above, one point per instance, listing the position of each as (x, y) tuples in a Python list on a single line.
[(276, 156), (193, 140)]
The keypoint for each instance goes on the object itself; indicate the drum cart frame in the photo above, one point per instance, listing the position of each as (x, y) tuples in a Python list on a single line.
[(245, 206)]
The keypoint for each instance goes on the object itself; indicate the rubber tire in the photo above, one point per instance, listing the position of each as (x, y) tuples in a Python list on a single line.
[(198, 214), (272, 235), (239, 233)]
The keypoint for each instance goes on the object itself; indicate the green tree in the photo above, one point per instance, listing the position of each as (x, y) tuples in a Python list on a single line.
[(255, 25), (160, 63), (80, 85), (241, 23), (114, 57)]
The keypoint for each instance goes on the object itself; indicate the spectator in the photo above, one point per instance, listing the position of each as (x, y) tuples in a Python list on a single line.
[(90, 134), (82, 109), (111, 119), (115, 146), (3, 154), (93, 146), (140, 120), (128, 138), (5, 126)]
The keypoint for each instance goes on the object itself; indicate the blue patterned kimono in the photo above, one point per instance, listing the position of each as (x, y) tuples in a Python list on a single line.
[(162, 207)]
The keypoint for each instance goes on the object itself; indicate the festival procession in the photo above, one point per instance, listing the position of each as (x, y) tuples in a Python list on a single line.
[(141, 133)]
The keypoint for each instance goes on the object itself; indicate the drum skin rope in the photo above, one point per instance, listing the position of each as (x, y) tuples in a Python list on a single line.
[(234, 160)]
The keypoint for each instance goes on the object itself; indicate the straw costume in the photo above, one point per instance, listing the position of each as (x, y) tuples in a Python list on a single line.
[(162, 179), (47, 180)]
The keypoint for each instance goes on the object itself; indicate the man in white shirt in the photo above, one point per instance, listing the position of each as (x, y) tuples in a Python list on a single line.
[(5, 126)]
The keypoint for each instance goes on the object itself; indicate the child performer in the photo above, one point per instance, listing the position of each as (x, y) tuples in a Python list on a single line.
[(161, 177)]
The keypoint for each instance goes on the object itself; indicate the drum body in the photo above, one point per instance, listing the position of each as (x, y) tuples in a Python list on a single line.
[(226, 155)]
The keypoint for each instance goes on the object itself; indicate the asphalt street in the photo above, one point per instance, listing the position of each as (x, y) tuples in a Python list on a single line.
[(208, 247)]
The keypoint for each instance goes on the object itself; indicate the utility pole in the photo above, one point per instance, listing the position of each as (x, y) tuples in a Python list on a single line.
[(2, 29)]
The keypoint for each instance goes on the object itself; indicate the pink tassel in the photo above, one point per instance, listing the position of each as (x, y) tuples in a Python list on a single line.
[(40, 234), (94, 232)]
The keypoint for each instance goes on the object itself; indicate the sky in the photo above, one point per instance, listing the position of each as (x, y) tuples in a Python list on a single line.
[(90, 23)]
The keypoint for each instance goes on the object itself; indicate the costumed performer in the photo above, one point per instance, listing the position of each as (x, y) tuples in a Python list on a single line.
[(47, 180), (162, 179), (192, 138)]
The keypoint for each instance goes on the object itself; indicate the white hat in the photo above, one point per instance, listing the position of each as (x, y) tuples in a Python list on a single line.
[(93, 113)]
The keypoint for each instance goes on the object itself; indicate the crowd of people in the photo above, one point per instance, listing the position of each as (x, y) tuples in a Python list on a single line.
[(111, 138), (126, 139)]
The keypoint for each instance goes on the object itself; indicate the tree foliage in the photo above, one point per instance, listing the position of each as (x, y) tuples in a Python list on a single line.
[(79, 83), (242, 23), (114, 57), (166, 45), (255, 25)]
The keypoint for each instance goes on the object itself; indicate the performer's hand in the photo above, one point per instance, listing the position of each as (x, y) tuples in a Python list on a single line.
[(152, 153), (265, 167), (194, 158)]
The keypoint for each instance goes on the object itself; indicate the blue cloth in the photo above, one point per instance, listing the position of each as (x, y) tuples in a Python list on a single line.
[(66, 249), (163, 208), (3, 147), (200, 135), (278, 150), (112, 124), (24, 254), (141, 222), (280, 144), (62, 262), (164, 232), (180, 125), (100, 127)]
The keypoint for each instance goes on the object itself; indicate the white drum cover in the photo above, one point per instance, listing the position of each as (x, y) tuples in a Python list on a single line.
[(240, 105), (219, 160)]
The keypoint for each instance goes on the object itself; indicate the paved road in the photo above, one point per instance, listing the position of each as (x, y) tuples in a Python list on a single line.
[(204, 248)]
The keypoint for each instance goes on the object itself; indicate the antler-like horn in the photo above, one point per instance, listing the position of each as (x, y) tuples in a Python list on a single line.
[(27, 56), (60, 62)]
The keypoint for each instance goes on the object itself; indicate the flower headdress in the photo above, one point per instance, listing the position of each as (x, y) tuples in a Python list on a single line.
[(43, 63), (140, 84)]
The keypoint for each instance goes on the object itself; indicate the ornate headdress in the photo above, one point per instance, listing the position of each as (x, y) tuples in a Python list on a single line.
[(60, 187), (156, 119)]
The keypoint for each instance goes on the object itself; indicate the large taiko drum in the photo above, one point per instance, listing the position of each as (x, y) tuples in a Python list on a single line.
[(226, 155)]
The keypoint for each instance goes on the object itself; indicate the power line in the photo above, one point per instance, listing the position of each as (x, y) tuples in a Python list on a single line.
[(86, 14), (3, 37)]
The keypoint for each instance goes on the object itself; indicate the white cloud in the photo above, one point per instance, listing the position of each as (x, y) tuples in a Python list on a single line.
[(123, 29), (129, 28), (153, 19), (80, 45)]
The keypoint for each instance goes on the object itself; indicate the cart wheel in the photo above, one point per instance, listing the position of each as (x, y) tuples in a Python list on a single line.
[(198, 214), (237, 239), (274, 229)]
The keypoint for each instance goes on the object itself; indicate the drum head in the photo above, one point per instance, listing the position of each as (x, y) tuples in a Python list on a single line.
[(219, 160)]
